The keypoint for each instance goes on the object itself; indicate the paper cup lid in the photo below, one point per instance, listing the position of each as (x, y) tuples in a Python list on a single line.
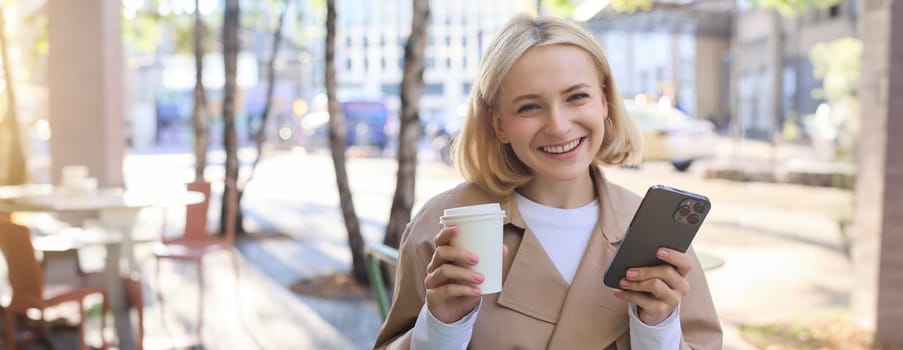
[(489, 208)]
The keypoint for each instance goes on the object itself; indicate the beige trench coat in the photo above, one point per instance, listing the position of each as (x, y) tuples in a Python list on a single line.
[(536, 308)]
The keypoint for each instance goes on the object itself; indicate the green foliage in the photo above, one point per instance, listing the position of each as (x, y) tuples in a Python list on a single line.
[(792, 7), (143, 31), (631, 6), (837, 63), (559, 8)]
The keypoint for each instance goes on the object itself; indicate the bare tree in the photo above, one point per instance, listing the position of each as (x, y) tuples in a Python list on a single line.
[(337, 131), (200, 117), (12, 156), (260, 136), (231, 25), (409, 126)]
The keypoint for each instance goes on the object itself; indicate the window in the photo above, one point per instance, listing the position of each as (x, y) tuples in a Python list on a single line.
[(448, 62), (348, 64), (433, 89), (466, 87), (430, 62), (834, 11), (391, 89)]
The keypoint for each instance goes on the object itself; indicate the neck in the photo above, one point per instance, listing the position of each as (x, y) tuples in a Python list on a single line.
[(564, 194)]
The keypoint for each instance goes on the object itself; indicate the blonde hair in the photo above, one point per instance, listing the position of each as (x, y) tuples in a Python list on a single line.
[(487, 162)]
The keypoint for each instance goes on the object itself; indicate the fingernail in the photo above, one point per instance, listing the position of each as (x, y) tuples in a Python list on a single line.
[(625, 284), (476, 291), (663, 253), (472, 258), (632, 273), (477, 277)]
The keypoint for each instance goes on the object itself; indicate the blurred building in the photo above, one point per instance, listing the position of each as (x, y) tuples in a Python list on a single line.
[(772, 74), (744, 68), (678, 50), (370, 50)]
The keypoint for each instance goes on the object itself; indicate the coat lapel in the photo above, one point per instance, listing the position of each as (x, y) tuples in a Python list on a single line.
[(591, 314), (533, 286)]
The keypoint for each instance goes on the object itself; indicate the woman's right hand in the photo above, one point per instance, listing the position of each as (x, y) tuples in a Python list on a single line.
[(451, 291)]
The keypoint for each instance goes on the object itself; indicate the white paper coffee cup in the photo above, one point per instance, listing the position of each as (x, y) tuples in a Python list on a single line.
[(480, 232)]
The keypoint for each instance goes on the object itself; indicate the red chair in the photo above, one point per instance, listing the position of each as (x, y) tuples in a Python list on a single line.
[(196, 242), (26, 277)]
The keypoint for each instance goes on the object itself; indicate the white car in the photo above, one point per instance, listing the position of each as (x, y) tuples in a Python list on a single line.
[(671, 135)]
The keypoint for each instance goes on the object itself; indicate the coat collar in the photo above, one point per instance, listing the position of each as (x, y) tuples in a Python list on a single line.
[(587, 309), (611, 212)]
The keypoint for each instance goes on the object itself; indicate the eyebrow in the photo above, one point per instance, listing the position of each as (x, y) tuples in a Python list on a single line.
[(565, 91)]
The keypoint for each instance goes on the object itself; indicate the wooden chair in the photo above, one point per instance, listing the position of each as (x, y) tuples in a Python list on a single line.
[(64, 260), (196, 242), (26, 277)]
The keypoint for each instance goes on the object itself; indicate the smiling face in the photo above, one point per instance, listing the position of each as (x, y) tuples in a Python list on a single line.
[(551, 109)]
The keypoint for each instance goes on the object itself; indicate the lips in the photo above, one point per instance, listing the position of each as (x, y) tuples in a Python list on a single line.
[(562, 148)]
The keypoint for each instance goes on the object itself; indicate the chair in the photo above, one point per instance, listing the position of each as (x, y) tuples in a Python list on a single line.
[(26, 277), (64, 260), (377, 253), (135, 298), (195, 242)]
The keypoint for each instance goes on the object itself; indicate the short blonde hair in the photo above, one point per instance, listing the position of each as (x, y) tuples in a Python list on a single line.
[(481, 157)]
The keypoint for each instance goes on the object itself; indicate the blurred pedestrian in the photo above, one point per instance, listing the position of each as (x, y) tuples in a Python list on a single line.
[(544, 117)]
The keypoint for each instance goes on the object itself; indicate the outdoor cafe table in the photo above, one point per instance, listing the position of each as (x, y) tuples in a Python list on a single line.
[(118, 210)]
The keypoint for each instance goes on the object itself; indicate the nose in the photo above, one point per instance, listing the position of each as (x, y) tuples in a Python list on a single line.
[(558, 121)]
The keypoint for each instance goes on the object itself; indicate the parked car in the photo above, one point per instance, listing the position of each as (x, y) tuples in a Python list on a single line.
[(366, 123), (671, 135)]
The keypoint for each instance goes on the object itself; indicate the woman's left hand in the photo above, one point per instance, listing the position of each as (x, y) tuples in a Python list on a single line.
[(657, 290)]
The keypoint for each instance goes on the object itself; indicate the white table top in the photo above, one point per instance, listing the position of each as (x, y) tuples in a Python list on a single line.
[(53, 200)]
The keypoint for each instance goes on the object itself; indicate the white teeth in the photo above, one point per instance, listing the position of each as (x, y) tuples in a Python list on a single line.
[(562, 149)]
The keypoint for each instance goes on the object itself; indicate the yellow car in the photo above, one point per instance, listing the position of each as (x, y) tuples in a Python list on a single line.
[(671, 135)]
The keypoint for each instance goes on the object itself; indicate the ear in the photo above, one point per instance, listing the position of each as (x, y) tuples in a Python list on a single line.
[(497, 125), (606, 113)]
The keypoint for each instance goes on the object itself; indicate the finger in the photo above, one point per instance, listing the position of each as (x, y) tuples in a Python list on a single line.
[(654, 288), (445, 235), (451, 274), (504, 252), (681, 261), (666, 273), (645, 302), (447, 254), (449, 291)]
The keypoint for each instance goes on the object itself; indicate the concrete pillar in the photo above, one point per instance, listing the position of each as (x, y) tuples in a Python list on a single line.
[(86, 88), (877, 299)]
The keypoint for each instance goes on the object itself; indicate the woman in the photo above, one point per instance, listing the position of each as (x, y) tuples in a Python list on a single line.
[(544, 116)]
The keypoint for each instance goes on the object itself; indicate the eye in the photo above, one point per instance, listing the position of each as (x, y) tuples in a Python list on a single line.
[(527, 108), (578, 96)]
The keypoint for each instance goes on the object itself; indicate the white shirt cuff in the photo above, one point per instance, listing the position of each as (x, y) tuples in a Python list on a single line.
[(665, 335), (430, 333)]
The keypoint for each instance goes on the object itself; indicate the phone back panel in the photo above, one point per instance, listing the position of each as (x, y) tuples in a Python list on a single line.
[(659, 222)]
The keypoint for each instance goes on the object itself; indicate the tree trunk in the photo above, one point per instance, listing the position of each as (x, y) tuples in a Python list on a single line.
[(337, 132), (200, 118), (230, 143), (268, 101), (409, 126), (12, 155)]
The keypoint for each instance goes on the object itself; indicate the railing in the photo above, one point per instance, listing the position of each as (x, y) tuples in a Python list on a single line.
[(375, 254)]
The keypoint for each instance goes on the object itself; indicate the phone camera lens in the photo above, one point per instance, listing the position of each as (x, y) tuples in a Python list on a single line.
[(699, 208), (684, 210), (693, 219)]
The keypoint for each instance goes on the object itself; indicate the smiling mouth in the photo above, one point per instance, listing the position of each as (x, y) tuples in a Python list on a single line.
[(563, 148)]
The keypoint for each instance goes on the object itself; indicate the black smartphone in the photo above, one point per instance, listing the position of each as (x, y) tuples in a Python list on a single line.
[(667, 217)]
